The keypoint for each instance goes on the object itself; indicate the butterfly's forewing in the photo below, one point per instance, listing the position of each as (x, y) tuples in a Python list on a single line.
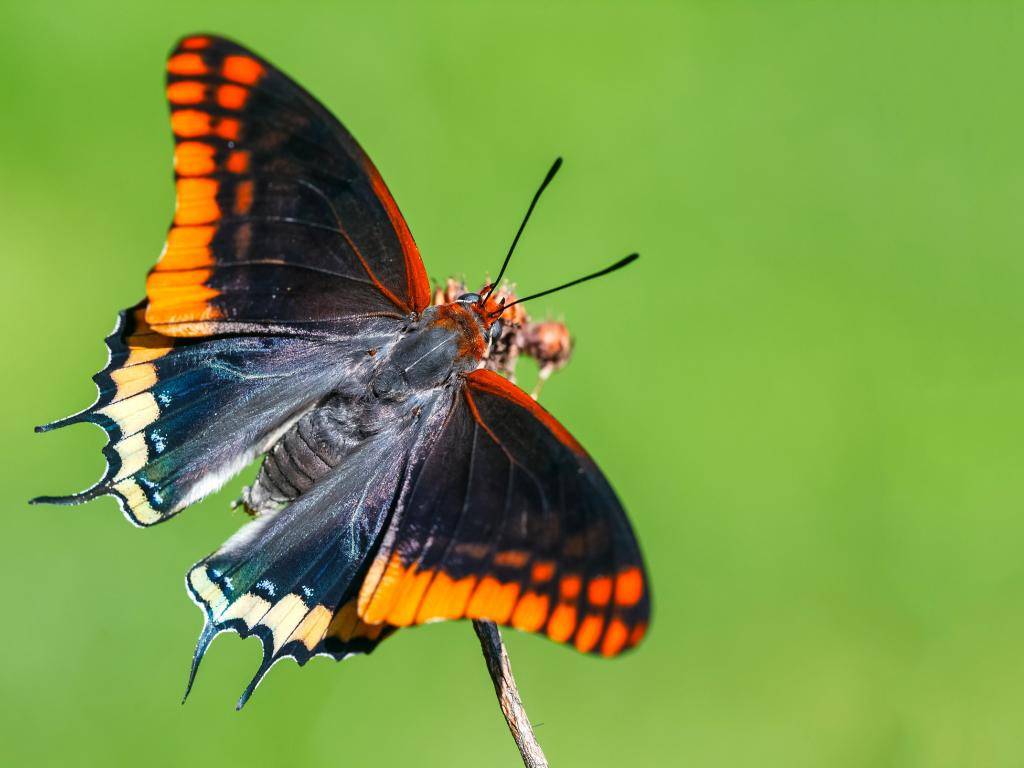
[(509, 519), (281, 219)]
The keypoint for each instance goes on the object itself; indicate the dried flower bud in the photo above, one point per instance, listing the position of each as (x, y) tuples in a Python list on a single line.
[(549, 342)]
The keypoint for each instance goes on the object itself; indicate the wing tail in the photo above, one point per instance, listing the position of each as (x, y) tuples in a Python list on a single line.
[(291, 577)]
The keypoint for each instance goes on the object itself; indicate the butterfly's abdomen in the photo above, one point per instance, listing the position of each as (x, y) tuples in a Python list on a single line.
[(318, 441)]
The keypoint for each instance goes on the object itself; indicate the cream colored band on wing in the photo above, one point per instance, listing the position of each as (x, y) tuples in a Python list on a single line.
[(134, 454), (137, 502), (250, 608), (131, 381), (207, 590), (313, 628), (134, 414), (284, 617)]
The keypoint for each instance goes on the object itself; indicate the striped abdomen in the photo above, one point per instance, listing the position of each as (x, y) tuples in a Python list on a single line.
[(317, 442)]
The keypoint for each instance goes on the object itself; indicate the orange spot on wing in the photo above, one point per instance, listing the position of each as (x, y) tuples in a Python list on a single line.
[(242, 69), (379, 588), (629, 587), (182, 281), (614, 638), (589, 633), (344, 623), (512, 558), (531, 612), (562, 623), (189, 237), (570, 587), (186, 64), (195, 43), (238, 161), (229, 128), (180, 297), (197, 201), (186, 92), (190, 329), (193, 158), (637, 634), (184, 312), (187, 248), (243, 197), (144, 344), (189, 123), (232, 96), (492, 600), (413, 587), (599, 590), (143, 353), (446, 598), (369, 631), (543, 571)]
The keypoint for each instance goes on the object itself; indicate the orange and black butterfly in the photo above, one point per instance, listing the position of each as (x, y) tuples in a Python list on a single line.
[(290, 317)]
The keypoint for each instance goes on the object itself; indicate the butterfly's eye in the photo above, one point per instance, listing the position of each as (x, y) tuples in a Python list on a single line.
[(496, 328), (469, 298)]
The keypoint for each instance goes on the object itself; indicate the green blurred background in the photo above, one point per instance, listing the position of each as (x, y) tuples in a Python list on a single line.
[(809, 390)]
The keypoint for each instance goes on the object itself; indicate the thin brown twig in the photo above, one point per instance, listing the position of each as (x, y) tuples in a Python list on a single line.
[(508, 694)]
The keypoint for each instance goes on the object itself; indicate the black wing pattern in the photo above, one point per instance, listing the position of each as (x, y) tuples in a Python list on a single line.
[(510, 520), (281, 219), (184, 415), (291, 577)]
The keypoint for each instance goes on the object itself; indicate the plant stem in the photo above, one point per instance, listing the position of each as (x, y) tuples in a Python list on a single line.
[(508, 694)]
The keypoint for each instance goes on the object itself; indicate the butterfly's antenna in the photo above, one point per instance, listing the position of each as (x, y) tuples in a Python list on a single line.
[(547, 180), (617, 265)]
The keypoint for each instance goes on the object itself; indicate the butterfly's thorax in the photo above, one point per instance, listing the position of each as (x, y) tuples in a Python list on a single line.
[(446, 340)]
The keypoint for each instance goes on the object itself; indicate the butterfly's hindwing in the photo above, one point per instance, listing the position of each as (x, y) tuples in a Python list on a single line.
[(184, 415), (510, 520), (291, 577)]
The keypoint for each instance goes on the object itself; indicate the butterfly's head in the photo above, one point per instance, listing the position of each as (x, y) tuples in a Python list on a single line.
[(486, 309)]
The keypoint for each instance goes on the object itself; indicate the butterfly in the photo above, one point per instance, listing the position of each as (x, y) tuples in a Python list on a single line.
[(290, 317)]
